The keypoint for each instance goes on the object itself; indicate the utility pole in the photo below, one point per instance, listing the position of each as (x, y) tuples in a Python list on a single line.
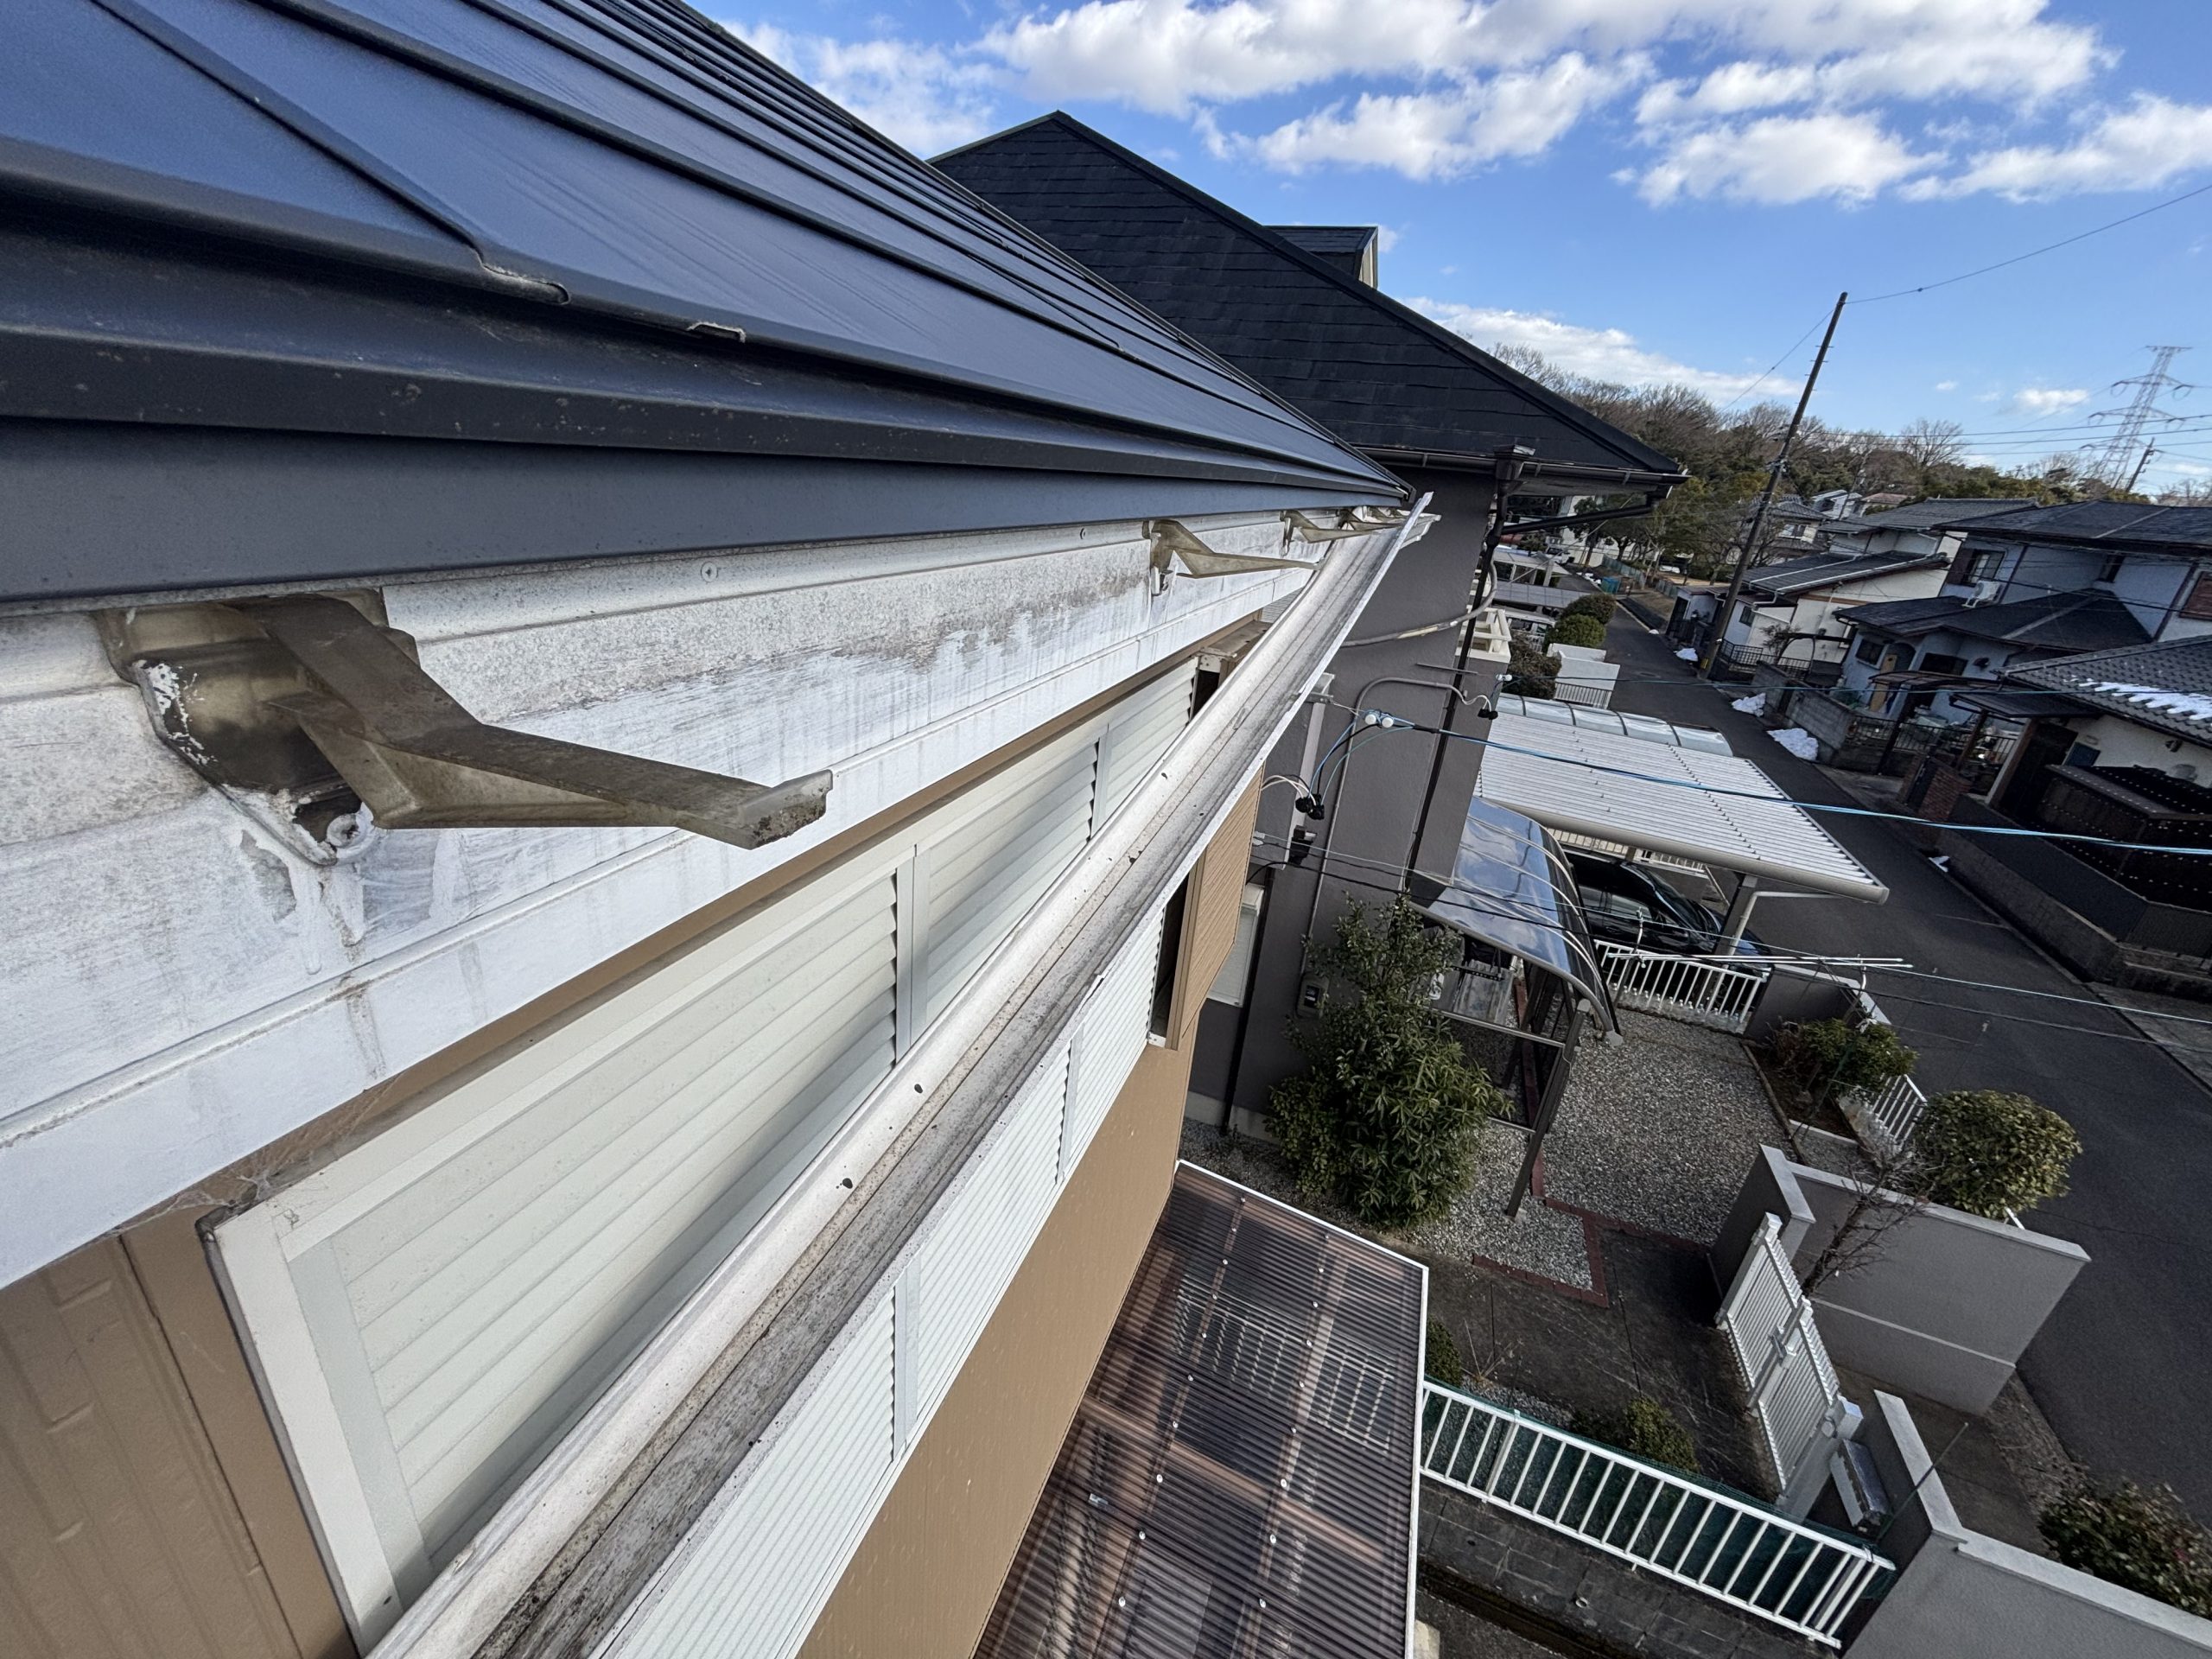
[(2136, 477), (1712, 663)]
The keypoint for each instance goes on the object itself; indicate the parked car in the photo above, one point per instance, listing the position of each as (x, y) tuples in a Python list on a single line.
[(1625, 904)]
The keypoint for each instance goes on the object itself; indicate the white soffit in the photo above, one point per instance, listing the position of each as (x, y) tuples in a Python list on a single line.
[(1559, 786)]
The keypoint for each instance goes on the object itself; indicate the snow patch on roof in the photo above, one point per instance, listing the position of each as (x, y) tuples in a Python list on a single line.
[(2189, 705)]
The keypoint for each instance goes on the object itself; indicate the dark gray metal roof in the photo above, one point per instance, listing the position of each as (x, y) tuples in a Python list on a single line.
[(1931, 515), (2050, 622), (2104, 524), (1379, 373), (2166, 686), (1831, 570), (1239, 1478), (521, 233)]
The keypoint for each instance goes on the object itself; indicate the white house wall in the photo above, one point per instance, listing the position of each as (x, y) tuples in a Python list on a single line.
[(210, 993)]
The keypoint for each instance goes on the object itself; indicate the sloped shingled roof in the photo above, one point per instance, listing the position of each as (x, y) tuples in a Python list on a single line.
[(2166, 686), (1381, 375), (1930, 515), (2104, 524), (2063, 622), (1831, 570), (564, 232)]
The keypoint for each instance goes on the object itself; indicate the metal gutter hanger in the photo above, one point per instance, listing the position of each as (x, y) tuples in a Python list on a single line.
[(289, 705)]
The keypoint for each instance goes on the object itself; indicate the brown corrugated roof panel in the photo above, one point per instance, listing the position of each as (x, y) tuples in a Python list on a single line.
[(1240, 1477)]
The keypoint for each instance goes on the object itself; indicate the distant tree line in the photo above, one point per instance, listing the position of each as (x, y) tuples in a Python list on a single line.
[(1727, 452)]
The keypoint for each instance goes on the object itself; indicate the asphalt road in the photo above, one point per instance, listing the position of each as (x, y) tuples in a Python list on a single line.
[(2123, 1370)]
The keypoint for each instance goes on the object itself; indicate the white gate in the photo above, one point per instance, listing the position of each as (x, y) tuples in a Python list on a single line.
[(1802, 1413)]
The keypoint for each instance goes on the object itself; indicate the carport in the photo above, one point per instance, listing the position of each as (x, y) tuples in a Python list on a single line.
[(1716, 810)]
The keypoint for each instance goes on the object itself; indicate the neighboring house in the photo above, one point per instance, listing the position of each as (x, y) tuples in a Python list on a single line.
[(1938, 526), (1786, 613), (1458, 425), (1793, 528), (654, 1175), (2030, 584), (2116, 745)]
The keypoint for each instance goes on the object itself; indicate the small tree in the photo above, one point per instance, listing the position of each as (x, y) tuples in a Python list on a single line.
[(1600, 606), (1985, 1151), (1531, 672), (1884, 1195), (1385, 1116), (1645, 1427), (2143, 1540), (1584, 630), (1823, 1059)]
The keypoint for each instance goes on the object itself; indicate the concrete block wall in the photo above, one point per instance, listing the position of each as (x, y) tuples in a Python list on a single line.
[(1963, 1595)]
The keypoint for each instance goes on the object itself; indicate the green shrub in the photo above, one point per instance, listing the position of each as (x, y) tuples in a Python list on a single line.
[(1531, 672), (1571, 630), (1444, 1364), (1384, 1118), (2143, 1540), (1823, 1058), (1989, 1151), (1600, 606), (1642, 1426)]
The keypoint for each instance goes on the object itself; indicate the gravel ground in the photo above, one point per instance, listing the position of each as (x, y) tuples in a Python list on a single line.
[(1541, 1240), (1660, 1129)]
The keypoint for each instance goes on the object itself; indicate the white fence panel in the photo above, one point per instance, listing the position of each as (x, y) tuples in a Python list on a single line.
[(1723, 1544), (1799, 1404), (1689, 989), (1886, 1121)]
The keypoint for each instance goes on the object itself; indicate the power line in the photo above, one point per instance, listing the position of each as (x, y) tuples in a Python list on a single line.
[(2049, 247), (1770, 368)]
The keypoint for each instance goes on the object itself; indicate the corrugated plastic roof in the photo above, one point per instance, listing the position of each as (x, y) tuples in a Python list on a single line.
[(1379, 373), (587, 224), (1578, 781), (1240, 1477)]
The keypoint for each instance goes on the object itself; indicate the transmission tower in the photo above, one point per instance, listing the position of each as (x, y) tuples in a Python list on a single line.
[(2122, 457)]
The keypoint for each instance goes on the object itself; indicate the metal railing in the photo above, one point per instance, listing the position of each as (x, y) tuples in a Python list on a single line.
[(1718, 1542), (1885, 1120), (1688, 989), (1796, 1397)]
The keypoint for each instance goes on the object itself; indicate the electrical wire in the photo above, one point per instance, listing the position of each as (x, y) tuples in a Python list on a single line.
[(2022, 990), (1772, 368), (2051, 247), (2048, 1025)]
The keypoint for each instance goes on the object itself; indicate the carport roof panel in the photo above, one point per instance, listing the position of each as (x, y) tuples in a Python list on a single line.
[(1680, 801)]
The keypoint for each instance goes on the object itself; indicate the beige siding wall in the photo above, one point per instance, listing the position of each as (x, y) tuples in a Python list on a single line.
[(925, 1578), (121, 1533)]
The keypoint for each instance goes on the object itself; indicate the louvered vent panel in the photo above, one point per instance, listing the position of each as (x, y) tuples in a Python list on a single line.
[(754, 1573), (978, 1238), (1110, 1039), (492, 1295), (989, 862), (1139, 732)]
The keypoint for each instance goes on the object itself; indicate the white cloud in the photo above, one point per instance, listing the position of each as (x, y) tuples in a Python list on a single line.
[(2148, 142), (1781, 159), (1443, 133), (2046, 400), (924, 97), (1599, 353), (1947, 385)]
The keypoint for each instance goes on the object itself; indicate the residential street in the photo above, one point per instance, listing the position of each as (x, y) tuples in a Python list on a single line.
[(2122, 1369)]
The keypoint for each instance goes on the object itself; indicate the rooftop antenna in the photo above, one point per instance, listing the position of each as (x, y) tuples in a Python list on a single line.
[(2119, 459)]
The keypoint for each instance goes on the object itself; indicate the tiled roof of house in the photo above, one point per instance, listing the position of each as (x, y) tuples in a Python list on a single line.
[(581, 235), (2050, 622), (2104, 524), (1375, 372), (2166, 686)]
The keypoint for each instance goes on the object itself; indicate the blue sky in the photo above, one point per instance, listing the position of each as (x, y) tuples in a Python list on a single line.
[(1657, 189)]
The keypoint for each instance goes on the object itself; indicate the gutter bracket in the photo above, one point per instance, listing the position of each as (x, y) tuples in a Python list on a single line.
[(1173, 543), (318, 721)]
